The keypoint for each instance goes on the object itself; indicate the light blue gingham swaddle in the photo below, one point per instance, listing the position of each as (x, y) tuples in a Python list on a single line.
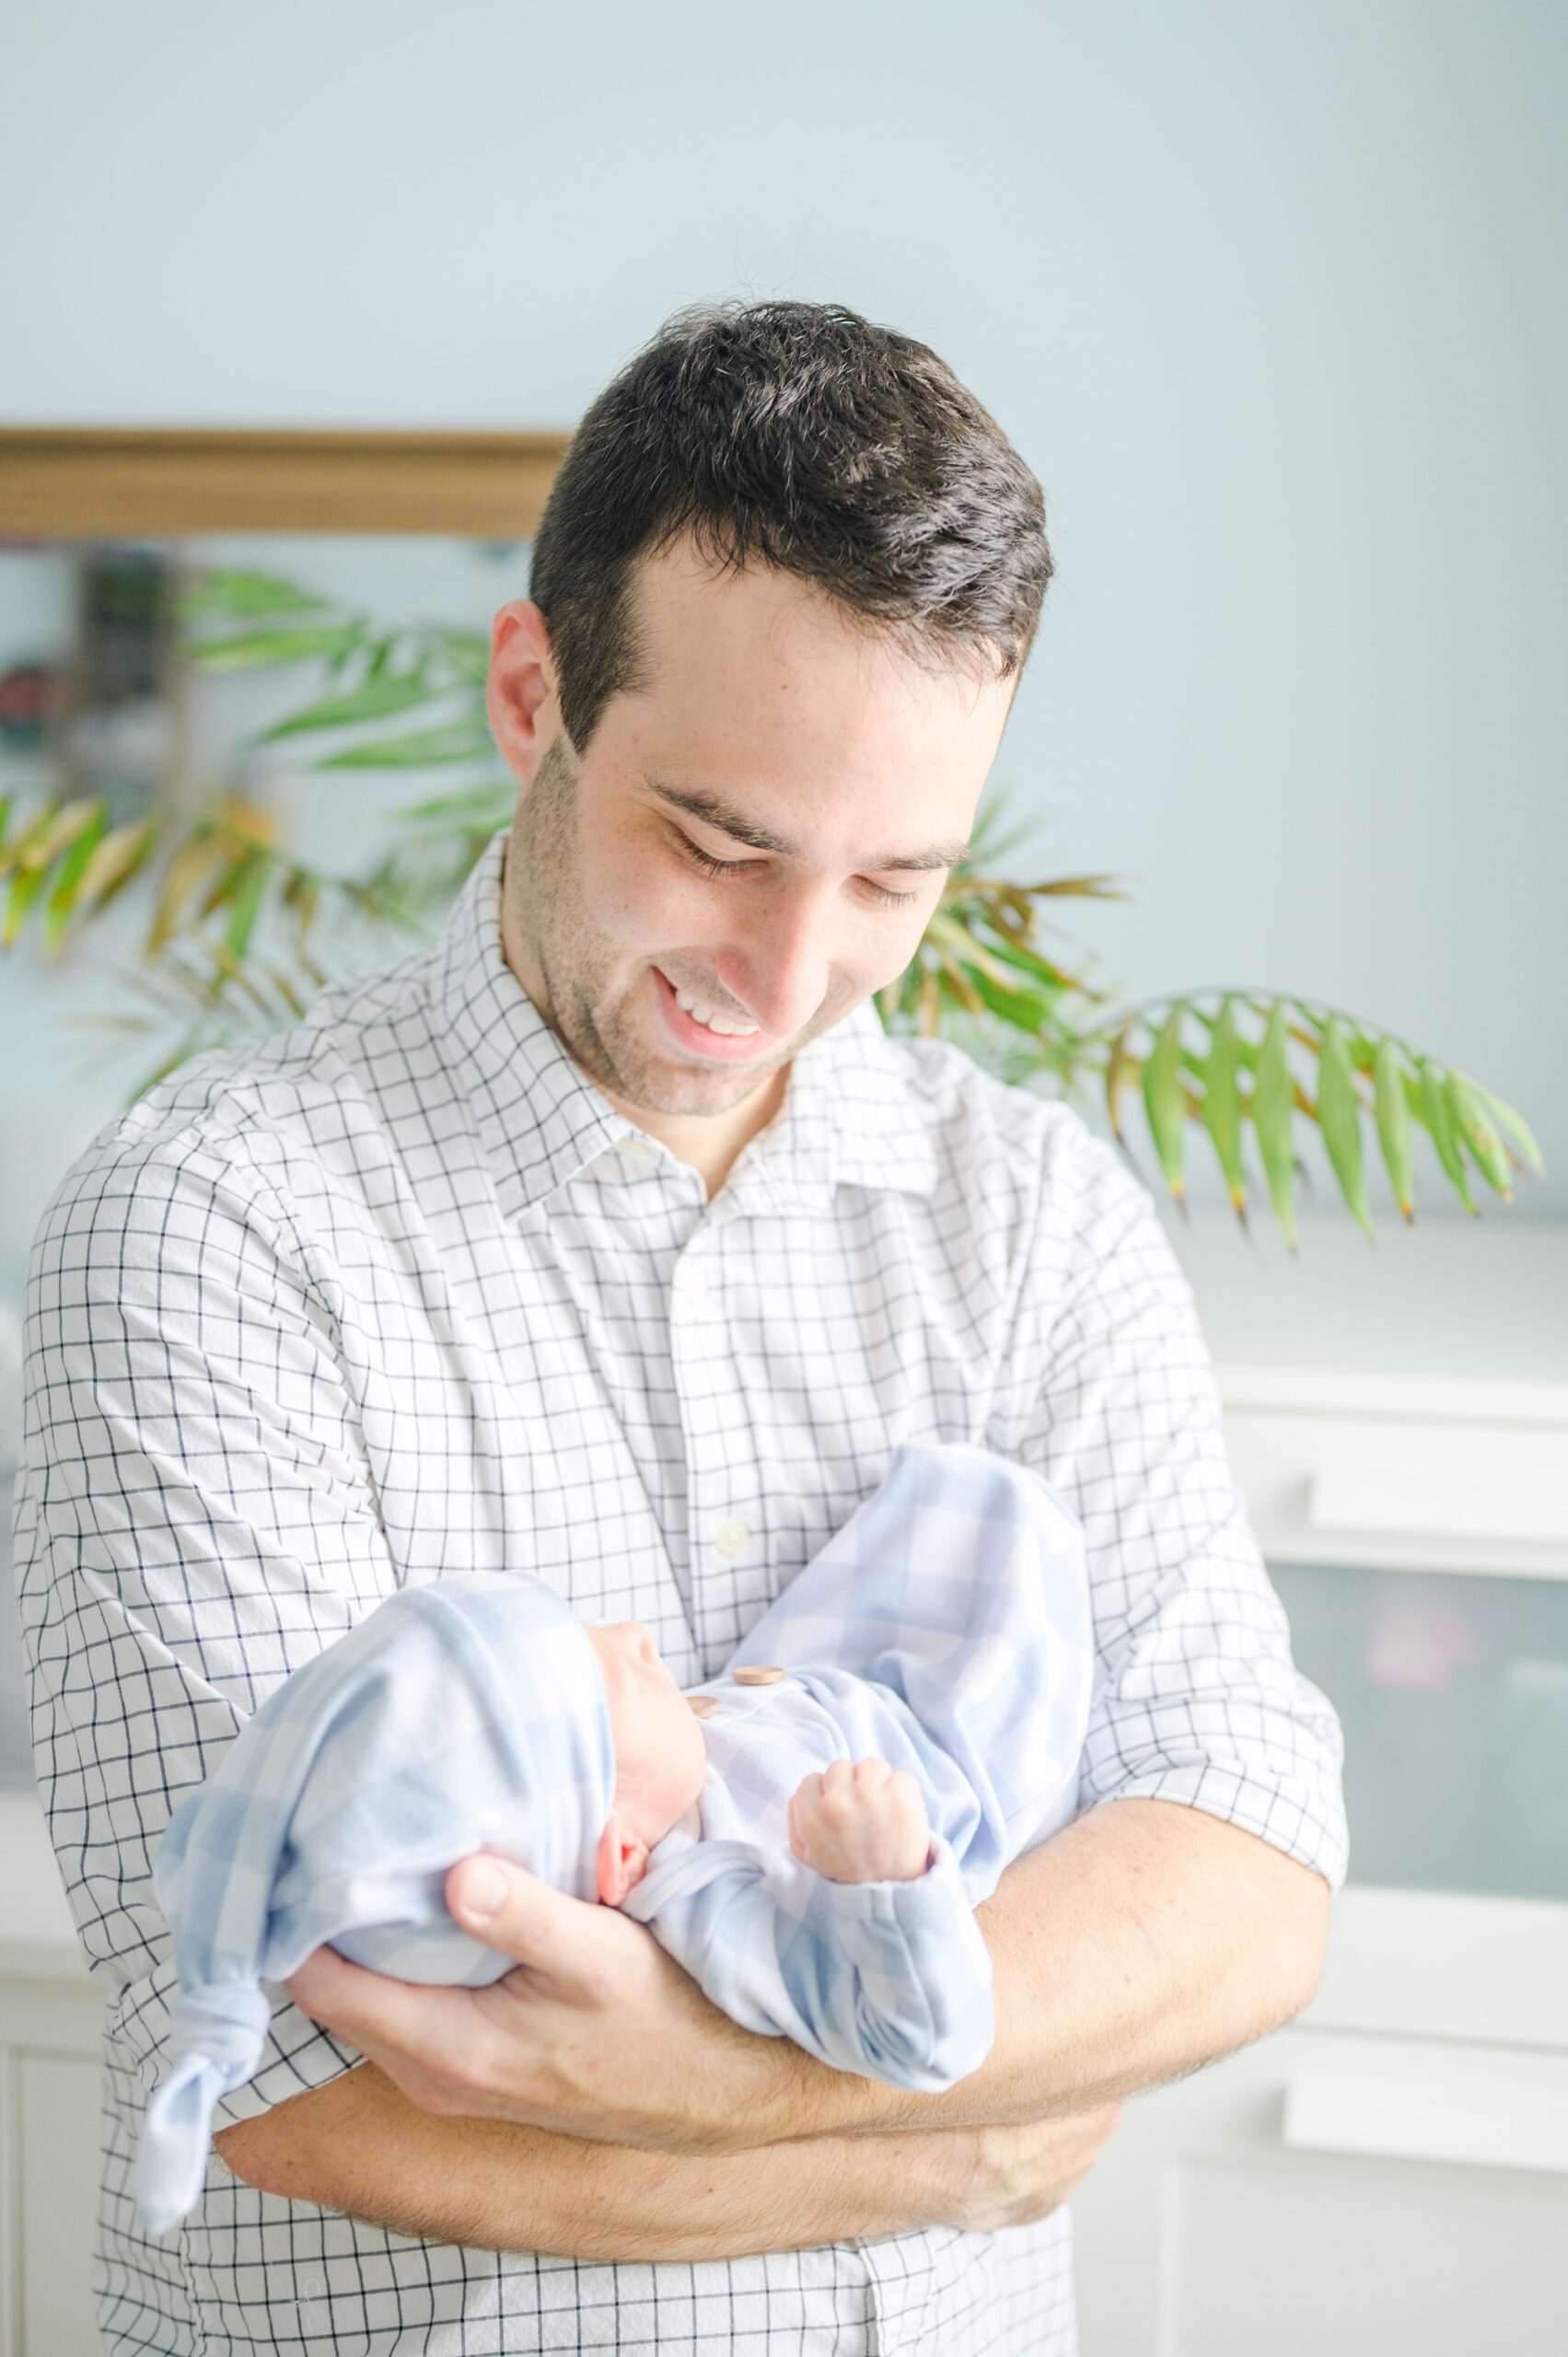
[(945, 1628)]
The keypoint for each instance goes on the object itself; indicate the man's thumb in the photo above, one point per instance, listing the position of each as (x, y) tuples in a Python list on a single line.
[(478, 1891), (507, 1908)]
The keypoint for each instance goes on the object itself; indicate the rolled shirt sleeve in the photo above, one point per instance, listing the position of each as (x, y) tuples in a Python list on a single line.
[(1197, 1698), (194, 1518)]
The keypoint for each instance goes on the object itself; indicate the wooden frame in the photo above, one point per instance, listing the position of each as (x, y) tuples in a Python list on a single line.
[(122, 482)]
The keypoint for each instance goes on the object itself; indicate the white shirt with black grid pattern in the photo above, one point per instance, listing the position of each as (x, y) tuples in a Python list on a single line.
[(399, 1294)]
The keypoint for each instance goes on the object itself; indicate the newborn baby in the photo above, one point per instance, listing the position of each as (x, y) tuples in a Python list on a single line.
[(860, 1821), (807, 1834)]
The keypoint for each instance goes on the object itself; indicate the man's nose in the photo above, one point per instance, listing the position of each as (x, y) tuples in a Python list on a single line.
[(781, 975)]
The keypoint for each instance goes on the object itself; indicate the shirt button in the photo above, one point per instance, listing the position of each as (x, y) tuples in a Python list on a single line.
[(704, 1705), (691, 1285), (637, 1146), (731, 1535), (758, 1673)]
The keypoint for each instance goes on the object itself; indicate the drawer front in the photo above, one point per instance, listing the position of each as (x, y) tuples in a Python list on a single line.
[(1371, 2197), (1409, 1494)]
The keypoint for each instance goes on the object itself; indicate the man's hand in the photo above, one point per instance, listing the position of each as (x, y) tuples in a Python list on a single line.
[(597, 2034), (1018, 2176), (860, 1821)]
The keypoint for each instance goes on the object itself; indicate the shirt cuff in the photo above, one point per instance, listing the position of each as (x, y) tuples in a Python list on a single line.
[(1291, 1815)]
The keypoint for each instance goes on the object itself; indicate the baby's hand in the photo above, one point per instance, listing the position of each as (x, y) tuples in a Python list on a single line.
[(861, 1821)]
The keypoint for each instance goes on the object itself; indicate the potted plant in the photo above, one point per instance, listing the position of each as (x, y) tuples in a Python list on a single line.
[(233, 935)]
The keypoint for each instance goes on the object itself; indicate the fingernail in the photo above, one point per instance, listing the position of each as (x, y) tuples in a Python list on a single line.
[(483, 1891)]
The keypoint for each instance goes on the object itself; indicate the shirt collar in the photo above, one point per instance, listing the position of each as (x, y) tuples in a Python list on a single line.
[(849, 1113)]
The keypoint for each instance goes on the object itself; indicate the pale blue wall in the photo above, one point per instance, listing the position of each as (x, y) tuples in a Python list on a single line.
[(1268, 296)]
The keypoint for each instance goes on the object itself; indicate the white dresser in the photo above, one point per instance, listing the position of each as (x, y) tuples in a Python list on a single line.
[(1390, 2177)]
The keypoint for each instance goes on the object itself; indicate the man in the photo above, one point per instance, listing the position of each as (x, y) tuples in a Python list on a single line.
[(611, 1240)]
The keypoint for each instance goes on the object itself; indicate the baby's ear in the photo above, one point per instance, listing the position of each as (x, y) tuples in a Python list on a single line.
[(620, 1863)]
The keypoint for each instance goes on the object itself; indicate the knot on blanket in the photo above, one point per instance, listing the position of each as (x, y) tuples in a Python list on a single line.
[(225, 2022)]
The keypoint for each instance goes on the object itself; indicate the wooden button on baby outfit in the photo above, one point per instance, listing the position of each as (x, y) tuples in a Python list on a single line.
[(757, 1673), (704, 1705)]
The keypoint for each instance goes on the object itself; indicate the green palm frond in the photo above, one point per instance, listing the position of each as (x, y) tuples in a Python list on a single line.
[(1309, 1067)]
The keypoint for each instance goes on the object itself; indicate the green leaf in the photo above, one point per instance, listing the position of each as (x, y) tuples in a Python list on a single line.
[(254, 648), (69, 874), (376, 701), (1393, 1120), (26, 885), (1119, 1068), (115, 860), (469, 806), (1510, 1123), (1164, 1102), (1222, 1106), (1273, 1105), (1028, 961), (227, 973), (286, 990), (467, 653), (1339, 1112), (186, 872), (460, 742), (245, 894), (1474, 1125), (992, 977), (1025, 1010), (237, 593), (302, 896), (1437, 1113), (955, 980), (55, 826)]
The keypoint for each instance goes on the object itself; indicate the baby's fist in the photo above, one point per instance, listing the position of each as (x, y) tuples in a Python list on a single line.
[(861, 1821)]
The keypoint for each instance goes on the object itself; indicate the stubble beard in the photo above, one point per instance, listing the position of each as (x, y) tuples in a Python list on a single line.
[(550, 913)]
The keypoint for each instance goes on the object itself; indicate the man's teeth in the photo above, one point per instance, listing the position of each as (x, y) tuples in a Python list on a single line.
[(723, 1024)]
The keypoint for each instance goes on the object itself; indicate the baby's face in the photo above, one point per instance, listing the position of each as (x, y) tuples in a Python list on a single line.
[(660, 1758)]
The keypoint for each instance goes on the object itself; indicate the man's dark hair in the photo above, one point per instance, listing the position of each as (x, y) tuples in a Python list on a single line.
[(800, 435)]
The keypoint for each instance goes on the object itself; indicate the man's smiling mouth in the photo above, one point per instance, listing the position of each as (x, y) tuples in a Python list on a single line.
[(726, 1027)]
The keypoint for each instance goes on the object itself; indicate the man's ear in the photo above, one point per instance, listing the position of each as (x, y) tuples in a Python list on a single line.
[(620, 1863), (520, 697)]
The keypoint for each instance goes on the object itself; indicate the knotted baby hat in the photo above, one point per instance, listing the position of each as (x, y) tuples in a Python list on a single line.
[(466, 1714)]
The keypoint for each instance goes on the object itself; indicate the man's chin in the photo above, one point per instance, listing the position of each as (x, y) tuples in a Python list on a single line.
[(674, 1088), (651, 1081)]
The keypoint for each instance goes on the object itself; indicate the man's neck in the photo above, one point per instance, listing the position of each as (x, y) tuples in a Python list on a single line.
[(711, 1143)]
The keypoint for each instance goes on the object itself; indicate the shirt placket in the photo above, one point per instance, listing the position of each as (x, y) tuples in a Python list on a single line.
[(728, 1539)]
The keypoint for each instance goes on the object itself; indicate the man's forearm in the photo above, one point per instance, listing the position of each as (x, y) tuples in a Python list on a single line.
[(1138, 1944), (360, 2147)]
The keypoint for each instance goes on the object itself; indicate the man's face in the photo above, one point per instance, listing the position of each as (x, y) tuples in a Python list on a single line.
[(763, 827)]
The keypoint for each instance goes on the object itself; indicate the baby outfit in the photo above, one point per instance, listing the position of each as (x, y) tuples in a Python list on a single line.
[(945, 1628)]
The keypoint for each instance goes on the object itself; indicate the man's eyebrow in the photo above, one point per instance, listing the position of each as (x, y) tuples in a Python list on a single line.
[(716, 812)]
